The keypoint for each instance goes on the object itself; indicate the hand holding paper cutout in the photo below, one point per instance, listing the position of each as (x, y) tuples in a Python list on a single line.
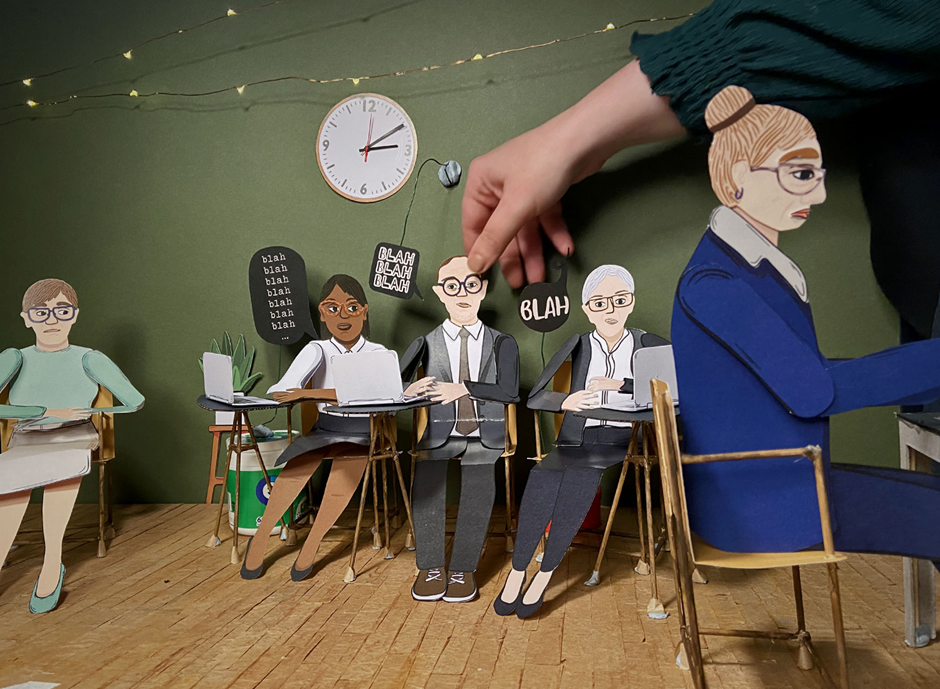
[(445, 393), (581, 400), (599, 383)]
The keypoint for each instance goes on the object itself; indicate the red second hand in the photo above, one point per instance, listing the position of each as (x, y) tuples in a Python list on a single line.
[(368, 139)]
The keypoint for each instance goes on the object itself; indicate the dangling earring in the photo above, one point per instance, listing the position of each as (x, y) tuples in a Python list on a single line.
[(739, 194)]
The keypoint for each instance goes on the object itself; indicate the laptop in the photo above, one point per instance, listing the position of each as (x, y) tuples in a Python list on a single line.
[(217, 377), (366, 378), (649, 363)]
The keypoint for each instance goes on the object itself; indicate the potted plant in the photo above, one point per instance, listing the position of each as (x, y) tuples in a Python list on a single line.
[(243, 358)]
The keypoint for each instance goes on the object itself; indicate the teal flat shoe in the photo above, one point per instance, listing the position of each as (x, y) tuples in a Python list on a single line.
[(39, 605)]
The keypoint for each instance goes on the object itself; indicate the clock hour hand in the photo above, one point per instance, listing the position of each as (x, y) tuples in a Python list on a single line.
[(384, 136), (378, 148)]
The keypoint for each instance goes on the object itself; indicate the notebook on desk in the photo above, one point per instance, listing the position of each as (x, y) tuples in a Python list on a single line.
[(649, 363), (368, 378), (217, 378)]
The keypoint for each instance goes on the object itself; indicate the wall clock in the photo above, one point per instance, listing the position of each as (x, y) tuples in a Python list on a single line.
[(366, 147)]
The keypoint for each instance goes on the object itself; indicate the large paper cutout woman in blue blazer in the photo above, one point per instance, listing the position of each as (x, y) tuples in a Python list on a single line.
[(750, 371)]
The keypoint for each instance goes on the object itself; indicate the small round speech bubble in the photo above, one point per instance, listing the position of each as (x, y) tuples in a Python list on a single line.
[(544, 306), (277, 283)]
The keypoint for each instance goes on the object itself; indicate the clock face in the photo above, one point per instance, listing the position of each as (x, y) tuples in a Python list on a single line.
[(366, 147)]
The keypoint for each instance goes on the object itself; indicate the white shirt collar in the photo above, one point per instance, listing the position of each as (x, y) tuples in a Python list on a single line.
[(342, 348), (453, 330), (603, 343), (754, 247)]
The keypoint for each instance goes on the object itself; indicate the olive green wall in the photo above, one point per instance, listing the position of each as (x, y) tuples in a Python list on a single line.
[(152, 208)]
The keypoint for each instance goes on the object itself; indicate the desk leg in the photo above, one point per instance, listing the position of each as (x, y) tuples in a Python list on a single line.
[(388, 540), (239, 420), (409, 539), (920, 608), (596, 575), (214, 540), (655, 609)]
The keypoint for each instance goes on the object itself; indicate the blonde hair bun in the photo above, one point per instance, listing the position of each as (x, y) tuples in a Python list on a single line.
[(726, 104)]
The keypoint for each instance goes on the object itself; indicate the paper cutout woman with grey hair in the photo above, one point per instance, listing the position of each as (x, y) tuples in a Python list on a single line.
[(52, 387), (561, 488)]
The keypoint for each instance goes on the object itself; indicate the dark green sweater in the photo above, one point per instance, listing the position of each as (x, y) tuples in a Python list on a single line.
[(824, 59)]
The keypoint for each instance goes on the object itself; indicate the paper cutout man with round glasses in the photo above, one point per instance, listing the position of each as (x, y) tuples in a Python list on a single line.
[(52, 386), (561, 488), (476, 372)]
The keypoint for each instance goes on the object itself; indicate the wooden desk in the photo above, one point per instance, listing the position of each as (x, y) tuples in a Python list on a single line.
[(920, 447)]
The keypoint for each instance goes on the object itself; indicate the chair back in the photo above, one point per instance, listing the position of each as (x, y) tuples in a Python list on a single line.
[(309, 413), (104, 424), (561, 382), (670, 462)]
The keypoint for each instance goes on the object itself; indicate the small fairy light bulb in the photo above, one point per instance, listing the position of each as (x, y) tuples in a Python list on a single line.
[(609, 27), (32, 103), (28, 82), (240, 89), (133, 94), (355, 81), (128, 54), (477, 57), (231, 13)]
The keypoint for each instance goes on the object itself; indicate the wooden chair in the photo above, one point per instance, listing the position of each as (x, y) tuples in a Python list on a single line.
[(641, 453), (102, 456), (689, 550), (511, 442), (383, 445)]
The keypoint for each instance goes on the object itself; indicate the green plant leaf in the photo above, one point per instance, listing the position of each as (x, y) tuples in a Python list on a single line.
[(214, 346), (226, 344), (238, 354), (250, 382), (246, 363)]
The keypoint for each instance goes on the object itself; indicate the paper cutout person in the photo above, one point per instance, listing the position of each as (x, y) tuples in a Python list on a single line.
[(476, 372), (344, 311), (752, 375), (52, 386), (561, 488)]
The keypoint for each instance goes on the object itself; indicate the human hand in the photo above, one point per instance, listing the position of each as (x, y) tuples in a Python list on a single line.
[(292, 395), (68, 414), (581, 400), (600, 383), (445, 393), (516, 188), (419, 387)]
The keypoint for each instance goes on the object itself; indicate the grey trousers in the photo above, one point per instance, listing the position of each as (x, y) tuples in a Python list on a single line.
[(429, 505)]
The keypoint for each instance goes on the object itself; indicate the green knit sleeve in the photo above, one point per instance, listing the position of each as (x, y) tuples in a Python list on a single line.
[(10, 362), (823, 59), (106, 373)]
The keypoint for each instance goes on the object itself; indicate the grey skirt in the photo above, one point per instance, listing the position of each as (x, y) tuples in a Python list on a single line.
[(330, 429)]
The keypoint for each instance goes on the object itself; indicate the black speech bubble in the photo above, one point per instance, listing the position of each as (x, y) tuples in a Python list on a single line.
[(277, 283), (394, 271), (544, 306)]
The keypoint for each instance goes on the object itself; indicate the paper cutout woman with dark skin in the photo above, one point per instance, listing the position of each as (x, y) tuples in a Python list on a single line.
[(344, 311), (750, 370), (562, 486), (52, 386)]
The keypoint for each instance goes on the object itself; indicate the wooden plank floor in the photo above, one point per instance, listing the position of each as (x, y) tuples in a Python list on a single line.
[(162, 610)]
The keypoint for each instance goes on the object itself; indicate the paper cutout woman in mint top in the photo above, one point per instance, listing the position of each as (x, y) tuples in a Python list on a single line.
[(51, 387)]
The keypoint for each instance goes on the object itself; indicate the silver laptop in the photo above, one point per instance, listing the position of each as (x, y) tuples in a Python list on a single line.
[(217, 377), (365, 378), (650, 363)]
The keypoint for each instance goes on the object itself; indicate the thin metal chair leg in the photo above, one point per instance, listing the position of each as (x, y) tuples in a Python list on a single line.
[(376, 524), (388, 540), (236, 558), (642, 567), (596, 574), (837, 625), (804, 656), (214, 540), (109, 473), (410, 538), (102, 547), (655, 609), (351, 570)]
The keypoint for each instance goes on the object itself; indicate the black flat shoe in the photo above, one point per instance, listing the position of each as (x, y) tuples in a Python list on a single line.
[(251, 573), (523, 611), (300, 574), (505, 609)]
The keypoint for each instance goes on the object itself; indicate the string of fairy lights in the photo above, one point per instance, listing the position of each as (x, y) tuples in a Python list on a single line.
[(240, 88)]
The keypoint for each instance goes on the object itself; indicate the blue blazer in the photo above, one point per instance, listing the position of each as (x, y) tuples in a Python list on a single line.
[(751, 377)]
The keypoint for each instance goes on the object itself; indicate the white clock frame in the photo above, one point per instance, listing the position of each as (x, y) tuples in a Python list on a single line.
[(391, 174)]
